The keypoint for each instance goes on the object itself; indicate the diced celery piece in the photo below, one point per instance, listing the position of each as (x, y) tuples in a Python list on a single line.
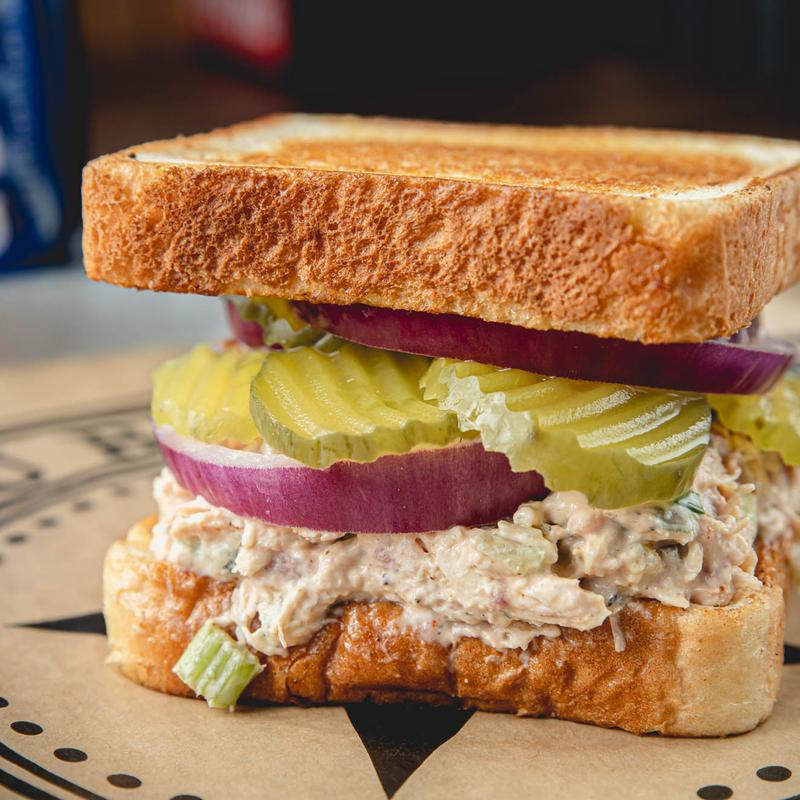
[(217, 667), (519, 548), (749, 504), (692, 501)]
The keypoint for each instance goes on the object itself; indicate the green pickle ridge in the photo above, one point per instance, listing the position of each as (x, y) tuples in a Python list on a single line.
[(619, 445), (771, 420), (204, 394), (336, 400), (341, 401)]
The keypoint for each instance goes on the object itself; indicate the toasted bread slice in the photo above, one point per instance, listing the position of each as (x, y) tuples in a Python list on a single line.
[(643, 235), (696, 672)]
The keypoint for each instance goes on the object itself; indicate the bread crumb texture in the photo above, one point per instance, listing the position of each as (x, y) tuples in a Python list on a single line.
[(642, 235)]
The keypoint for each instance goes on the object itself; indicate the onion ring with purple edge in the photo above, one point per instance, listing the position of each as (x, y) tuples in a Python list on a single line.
[(248, 332), (714, 367), (423, 490)]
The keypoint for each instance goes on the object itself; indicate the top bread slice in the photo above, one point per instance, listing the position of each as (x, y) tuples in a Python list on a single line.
[(652, 236)]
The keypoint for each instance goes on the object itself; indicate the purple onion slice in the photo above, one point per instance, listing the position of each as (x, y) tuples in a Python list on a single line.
[(424, 490), (717, 366)]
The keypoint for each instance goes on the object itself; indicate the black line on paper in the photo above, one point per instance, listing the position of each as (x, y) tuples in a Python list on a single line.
[(114, 432), (40, 772), (23, 789), (140, 407), (61, 490)]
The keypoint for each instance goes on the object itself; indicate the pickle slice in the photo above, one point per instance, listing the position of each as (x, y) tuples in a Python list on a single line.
[(619, 445), (279, 320), (205, 394), (340, 401), (771, 420)]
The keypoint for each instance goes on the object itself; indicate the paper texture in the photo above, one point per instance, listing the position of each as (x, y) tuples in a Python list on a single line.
[(76, 462)]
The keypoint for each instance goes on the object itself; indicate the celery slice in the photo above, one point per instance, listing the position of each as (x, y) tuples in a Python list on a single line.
[(692, 501), (217, 667), (521, 549)]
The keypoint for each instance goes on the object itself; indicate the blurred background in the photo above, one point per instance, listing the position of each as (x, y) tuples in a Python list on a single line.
[(83, 77)]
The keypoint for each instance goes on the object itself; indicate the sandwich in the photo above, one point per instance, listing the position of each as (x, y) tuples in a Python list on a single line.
[(496, 423)]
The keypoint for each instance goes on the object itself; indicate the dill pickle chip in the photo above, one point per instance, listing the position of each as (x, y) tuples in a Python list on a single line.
[(341, 401), (771, 420), (619, 445), (205, 394)]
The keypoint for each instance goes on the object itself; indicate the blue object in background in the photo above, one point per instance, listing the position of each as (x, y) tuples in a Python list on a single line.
[(42, 126)]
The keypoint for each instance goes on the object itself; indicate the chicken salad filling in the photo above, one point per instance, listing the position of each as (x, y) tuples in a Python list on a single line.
[(558, 562)]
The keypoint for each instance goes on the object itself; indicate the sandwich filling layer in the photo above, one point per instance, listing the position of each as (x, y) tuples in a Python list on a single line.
[(558, 562)]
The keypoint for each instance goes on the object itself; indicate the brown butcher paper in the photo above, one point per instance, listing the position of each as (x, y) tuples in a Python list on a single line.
[(76, 464)]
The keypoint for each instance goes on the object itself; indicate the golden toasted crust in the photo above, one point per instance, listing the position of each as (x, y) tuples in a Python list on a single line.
[(698, 672), (643, 235)]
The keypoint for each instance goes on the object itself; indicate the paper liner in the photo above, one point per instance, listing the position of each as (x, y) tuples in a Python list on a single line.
[(76, 464)]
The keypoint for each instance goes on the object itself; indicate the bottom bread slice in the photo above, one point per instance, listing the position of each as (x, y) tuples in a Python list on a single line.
[(700, 671)]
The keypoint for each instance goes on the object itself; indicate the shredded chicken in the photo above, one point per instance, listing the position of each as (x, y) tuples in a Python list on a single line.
[(558, 562)]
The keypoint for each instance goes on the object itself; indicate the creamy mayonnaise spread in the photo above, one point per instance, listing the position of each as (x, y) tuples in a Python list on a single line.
[(558, 562)]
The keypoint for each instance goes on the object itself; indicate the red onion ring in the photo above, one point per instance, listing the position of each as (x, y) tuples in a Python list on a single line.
[(424, 490), (714, 367), (246, 331)]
